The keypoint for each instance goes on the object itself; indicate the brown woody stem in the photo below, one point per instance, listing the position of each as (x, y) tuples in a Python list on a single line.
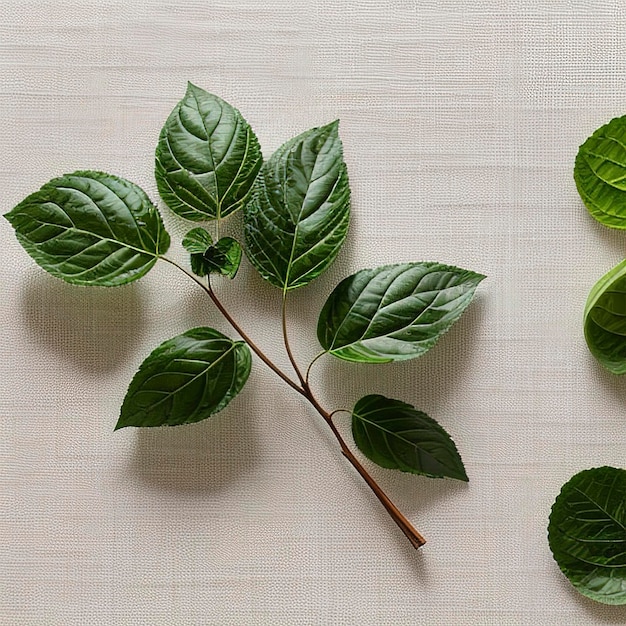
[(304, 390)]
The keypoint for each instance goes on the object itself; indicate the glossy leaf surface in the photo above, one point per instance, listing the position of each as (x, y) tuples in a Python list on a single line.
[(298, 217), (207, 157), (394, 312), (395, 435), (605, 320), (587, 533), (91, 228), (600, 173), (186, 379)]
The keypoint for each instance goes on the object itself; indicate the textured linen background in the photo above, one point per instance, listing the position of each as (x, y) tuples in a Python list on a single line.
[(460, 121)]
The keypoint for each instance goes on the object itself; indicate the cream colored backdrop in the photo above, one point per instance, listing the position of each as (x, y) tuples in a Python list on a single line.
[(460, 121)]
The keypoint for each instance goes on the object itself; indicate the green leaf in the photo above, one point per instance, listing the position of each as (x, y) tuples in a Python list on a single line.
[(298, 217), (397, 436), (197, 241), (186, 379), (222, 258), (91, 228), (587, 533), (394, 312), (600, 173), (605, 320), (207, 157)]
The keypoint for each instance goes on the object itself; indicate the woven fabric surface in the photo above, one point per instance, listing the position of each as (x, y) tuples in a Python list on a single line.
[(460, 122)]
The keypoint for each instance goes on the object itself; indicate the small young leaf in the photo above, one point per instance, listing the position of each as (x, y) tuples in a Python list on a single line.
[(298, 217), (197, 241), (186, 379), (397, 436), (91, 228), (587, 533), (394, 312), (207, 157), (605, 320), (600, 173), (222, 258)]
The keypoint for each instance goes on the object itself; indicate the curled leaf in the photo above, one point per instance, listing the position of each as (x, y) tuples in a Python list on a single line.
[(587, 533)]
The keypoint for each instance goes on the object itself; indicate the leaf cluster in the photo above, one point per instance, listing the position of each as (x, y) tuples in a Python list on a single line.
[(587, 527)]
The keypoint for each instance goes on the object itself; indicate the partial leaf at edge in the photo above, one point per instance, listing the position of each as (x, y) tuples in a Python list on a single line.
[(186, 379), (207, 157), (394, 312), (600, 173), (605, 320), (298, 216), (587, 533), (395, 435), (91, 228)]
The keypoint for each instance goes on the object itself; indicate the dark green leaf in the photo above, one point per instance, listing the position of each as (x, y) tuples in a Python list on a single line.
[(395, 435), (394, 312), (222, 258), (605, 320), (587, 533), (298, 217), (91, 228), (600, 173), (197, 241), (207, 158), (186, 379)]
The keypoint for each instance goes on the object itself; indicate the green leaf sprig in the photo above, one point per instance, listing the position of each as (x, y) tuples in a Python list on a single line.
[(92, 228)]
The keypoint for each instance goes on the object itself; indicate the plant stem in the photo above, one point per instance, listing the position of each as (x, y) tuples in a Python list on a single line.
[(209, 291), (292, 360), (304, 389), (308, 369)]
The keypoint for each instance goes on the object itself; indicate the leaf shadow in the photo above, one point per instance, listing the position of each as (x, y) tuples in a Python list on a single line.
[(423, 382), (205, 457), (611, 237), (612, 383), (87, 325)]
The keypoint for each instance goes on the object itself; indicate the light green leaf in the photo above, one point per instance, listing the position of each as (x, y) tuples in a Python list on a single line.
[(197, 241), (91, 228), (587, 533), (222, 258), (186, 379), (298, 217), (600, 173), (394, 312), (207, 157), (605, 320), (397, 436)]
